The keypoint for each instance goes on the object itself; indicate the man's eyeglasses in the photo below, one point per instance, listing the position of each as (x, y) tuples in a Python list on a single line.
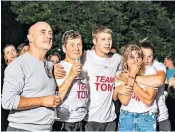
[(47, 69)]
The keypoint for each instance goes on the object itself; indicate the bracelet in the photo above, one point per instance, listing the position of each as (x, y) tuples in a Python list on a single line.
[(131, 77)]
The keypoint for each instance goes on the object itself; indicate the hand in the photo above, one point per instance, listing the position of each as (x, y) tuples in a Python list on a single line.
[(135, 68), (171, 82), (123, 76), (59, 71), (51, 101), (75, 71), (123, 89)]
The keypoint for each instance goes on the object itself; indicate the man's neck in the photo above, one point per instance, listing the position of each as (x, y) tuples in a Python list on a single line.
[(171, 67), (40, 55), (71, 61), (100, 54)]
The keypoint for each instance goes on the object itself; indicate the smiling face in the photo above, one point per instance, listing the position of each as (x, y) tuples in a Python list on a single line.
[(103, 44), (73, 48), (40, 36)]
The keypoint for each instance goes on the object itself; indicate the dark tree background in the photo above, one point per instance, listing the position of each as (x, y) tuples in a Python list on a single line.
[(12, 31), (130, 21)]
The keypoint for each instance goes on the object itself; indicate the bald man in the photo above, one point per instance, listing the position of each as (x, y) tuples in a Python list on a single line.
[(29, 87)]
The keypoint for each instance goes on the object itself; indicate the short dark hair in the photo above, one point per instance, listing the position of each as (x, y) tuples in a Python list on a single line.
[(54, 54), (7, 45), (170, 57), (100, 29), (114, 48), (146, 45), (71, 34)]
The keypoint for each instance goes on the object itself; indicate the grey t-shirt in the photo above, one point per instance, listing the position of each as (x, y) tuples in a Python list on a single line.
[(26, 76)]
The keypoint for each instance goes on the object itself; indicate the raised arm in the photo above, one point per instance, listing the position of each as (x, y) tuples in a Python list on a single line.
[(65, 86)]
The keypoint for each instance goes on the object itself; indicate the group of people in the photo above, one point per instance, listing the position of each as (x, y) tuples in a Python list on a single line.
[(84, 90)]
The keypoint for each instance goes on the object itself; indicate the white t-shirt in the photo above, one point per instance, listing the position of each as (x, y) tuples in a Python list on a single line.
[(163, 111), (74, 106), (101, 73), (135, 104)]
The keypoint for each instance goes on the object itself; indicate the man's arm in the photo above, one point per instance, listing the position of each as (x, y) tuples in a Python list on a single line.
[(46, 101), (13, 87), (152, 80), (59, 71), (146, 96)]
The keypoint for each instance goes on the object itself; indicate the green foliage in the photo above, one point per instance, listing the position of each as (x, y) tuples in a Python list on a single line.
[(130, 21)]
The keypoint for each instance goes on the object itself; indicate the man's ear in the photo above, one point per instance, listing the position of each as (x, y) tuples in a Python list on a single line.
[(64, 48), (94, 41), (29, 36)]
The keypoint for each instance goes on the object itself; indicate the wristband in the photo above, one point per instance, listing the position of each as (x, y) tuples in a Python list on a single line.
[(131, 77)]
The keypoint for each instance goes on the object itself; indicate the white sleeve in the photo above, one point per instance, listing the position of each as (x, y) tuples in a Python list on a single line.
[(120, 62), (160, 67), (150, 70), (60, 81), (117, 83)]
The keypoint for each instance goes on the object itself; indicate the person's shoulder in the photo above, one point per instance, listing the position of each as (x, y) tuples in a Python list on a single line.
[(65, 64), (23, 58), (14, 67), (149, 67), (89, 52), (116, 55), (158, 64), (150, 70), (20, 61)]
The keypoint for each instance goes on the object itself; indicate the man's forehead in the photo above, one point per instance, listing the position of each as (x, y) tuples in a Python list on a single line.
[(104, 34), (40, 26)]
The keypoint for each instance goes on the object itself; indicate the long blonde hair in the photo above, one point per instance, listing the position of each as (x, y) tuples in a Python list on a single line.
[(126, 51)]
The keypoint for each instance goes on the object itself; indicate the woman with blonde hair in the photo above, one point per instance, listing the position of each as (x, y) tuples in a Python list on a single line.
[(138, 110)]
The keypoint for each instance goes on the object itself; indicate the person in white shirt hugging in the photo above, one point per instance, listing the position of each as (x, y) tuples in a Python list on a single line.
[(138, 110)]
